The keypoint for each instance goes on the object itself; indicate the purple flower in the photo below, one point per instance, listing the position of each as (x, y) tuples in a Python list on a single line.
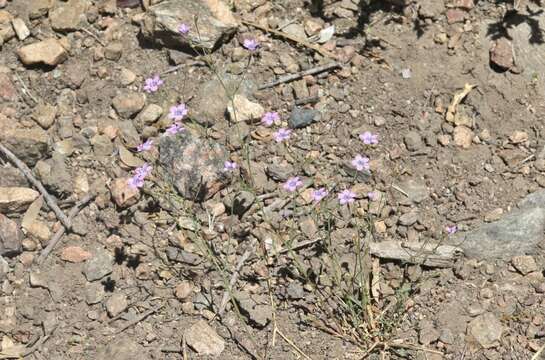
[(269, 118), (145, 146), (346, 197), (177, 112), (369, 138), (250, 44), (282, 135), (361, 163), (174, 129), (183, 29), (137, 180), (152, 84), (371, 195), (292, 184), (319, 194), (451, 229), (230, 166)]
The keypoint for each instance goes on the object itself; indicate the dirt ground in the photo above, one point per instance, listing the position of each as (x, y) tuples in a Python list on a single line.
[(204, 261)]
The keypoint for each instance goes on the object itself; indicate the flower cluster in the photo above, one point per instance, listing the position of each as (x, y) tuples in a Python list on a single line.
[(152, 84), (139, 175)]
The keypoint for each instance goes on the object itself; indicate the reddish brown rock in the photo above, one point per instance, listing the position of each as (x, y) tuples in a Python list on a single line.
[(455, 16), (7, 89), (75, 254), (464, 4), (501, 54)]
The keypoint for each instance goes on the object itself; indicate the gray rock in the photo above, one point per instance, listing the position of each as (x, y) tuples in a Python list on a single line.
[(102, 145), (4, 268), (280, 172), (416, 189), (116, 304), (122, 349), (258, 313), (129, 104), (94, 293), (39, 8), (55, 175), (486, 329), (207, 112), (12, 177), (194, 165), (516, 234), (301, 117), (99, 266), (242, 202), (409, 218), (161, 22), (428, 333), (202, 338), (44, 115), (295, 291), (524, 264), (29, 145), (129, 134), (202, 301), (413, 141), (69, 16)]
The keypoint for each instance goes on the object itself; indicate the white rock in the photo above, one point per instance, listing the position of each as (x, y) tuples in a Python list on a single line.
[(242, 109)]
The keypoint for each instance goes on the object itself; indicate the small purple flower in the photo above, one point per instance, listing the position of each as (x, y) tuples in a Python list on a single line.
[(152, 84), (451, 229), (174, 129), (250, 44), (282, 135), (346, 197), (269, 118), (145, 146), (361, 163), (183, 29), (369, 138), (177, 112), (137, 180), (230, 166), (292, 184), (372, 195), (319, 194)]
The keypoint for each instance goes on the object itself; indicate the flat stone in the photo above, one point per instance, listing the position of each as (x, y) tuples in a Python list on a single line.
[(129, 104), (501, 54), (21, 30), (116, 304), (408, 218), (516, 233), (243, 109), (4, 268), (413, 141), (99, 266), (55, 174), (113, 51), (150, 114), (29, 145), (10, 237), (94, 293), (44, 115), (122, 194), (16, 199), (122, 349), (39, 8), (75, 254), (69, 16), (8, 92), (194, 165), (216, 24), (259, 314), (301, 117), (202, 338), (524, 264), (49, 52), (486, 329)]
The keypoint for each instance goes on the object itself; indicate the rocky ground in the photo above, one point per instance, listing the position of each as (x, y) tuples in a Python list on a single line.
[(383, 199)]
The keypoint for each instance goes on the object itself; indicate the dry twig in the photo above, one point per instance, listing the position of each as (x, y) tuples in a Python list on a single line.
[(295, 39), (142, 316), (58, 235), (28, 174), (292, 77)]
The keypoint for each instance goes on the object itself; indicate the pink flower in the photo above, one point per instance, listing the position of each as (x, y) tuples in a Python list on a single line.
[(361, 163), (319, 194), (346, 197), (250, 44), (145, 146), (177, 112), (137, 180), (152, 84), (230, 166), (451, 229), (269, 118), (174, 129), (369, 138), (183, 29), (292, 184), (282, 135)]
